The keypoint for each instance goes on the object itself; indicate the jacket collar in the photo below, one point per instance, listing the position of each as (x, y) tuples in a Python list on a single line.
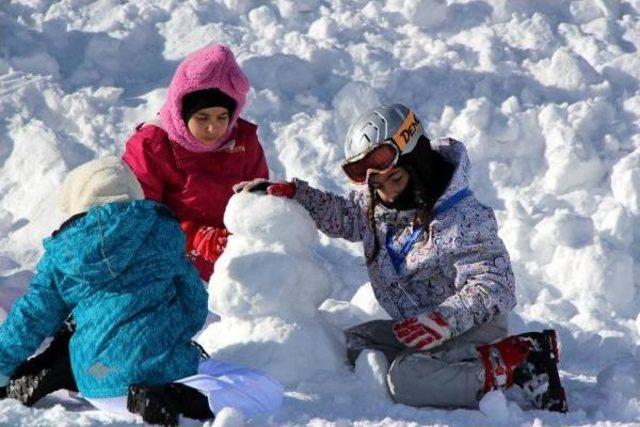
[(67, 223)]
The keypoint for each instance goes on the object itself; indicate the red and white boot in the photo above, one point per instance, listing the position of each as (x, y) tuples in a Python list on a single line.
[(528, 361)]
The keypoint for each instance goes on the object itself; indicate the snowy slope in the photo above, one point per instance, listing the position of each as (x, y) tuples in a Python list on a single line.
[(544, 92)]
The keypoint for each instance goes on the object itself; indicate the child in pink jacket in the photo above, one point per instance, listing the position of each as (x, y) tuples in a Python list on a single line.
[(198, 148)]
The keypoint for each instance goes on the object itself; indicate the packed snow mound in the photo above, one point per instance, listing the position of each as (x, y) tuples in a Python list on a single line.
[(229, 417), (270, 219), (565, 70), (625, 182), (266, 281), (291, 350), (365, 299), (371, 367), (598, 277), (268, 266), (494, 406), (619, 387), (267, 287), (362, 307), (573, 162), (423, 13)]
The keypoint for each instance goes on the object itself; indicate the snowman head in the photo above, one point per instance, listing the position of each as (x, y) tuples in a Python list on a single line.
[(270, 220), (268, 267)]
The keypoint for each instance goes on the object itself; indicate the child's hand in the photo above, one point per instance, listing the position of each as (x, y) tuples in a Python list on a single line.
[(422, 332), (204, 241), (258, 184), (209, 242), (277, 189), (282, 189)]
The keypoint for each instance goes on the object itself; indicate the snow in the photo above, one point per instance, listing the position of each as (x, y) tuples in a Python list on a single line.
[(267, 287), (371, 368), (270, 220), (545, 94), (494, 406), (619, 388), (229, 417), (625, 182)]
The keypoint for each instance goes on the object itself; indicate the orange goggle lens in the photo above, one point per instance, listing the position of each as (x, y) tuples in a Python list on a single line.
[(380, 158)]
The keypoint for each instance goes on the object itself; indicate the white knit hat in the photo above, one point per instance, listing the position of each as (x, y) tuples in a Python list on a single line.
[(97, 182)]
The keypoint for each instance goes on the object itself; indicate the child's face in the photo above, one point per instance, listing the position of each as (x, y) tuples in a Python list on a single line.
[(390, 184), (209, 124)]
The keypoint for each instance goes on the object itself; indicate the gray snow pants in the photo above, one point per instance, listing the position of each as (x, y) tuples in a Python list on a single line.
[(446, 376)]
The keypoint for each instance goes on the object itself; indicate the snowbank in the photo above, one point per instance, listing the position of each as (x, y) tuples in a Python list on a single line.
[(545, 93)]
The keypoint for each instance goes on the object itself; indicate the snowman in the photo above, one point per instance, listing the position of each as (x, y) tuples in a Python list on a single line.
[(267, 288)]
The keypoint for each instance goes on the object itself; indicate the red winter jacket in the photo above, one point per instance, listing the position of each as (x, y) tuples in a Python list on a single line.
[(195, 186)]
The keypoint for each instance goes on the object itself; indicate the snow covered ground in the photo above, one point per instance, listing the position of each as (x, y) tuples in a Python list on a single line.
[(545, 93)]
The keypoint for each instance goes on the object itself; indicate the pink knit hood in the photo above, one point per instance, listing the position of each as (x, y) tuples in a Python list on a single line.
[(212, 67)]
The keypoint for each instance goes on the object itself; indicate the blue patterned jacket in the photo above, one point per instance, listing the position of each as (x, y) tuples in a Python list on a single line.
[(460, 267), (121, 271)]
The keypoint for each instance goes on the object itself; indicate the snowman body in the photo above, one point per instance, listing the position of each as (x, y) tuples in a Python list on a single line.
[(267, 288)]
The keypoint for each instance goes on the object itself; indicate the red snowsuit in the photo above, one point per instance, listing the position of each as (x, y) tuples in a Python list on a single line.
[(195, 186), (174, 168)]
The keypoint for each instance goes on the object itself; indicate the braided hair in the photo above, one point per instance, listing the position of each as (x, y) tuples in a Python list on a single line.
[(429, 176)]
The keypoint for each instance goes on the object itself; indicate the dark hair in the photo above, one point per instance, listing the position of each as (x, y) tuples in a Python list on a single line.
[(205, 98), (371, 221), (429, 176)]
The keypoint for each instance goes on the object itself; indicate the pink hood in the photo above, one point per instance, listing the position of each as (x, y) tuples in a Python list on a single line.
[(212, 67)]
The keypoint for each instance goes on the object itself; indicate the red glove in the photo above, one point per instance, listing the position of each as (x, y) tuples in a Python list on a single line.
[(277, 189), (190, 229), (207, 242), (282, 189), (422, 332)]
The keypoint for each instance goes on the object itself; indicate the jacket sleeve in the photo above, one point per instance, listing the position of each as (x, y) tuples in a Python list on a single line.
[(484, 278), (150, 162), (192, 295), (33, 317), (256, 166), (335, 216)]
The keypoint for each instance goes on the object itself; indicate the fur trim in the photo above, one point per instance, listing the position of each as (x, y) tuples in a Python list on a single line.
[(98, 182)]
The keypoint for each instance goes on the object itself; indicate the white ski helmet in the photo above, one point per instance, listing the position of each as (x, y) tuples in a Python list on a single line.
[(391, 122)]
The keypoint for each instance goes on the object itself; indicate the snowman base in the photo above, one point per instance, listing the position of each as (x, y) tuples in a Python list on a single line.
[(290, 350)]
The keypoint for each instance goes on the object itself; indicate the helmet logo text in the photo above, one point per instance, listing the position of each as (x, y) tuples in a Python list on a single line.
[(406, 131)]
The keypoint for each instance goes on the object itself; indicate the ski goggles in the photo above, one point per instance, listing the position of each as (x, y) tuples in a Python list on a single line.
[(383, 156), (378, 159)]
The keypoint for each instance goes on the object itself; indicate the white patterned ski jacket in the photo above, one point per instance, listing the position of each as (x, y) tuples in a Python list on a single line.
[(460, 267)]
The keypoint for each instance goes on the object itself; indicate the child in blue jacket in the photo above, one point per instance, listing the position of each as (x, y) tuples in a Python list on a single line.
[(118, 266)]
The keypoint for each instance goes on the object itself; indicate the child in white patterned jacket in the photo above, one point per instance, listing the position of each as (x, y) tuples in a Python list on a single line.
[(436, 264)]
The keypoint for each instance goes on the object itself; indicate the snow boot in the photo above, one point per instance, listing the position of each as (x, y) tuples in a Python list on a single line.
[(529, 362), (45, 373), (163, 404)]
